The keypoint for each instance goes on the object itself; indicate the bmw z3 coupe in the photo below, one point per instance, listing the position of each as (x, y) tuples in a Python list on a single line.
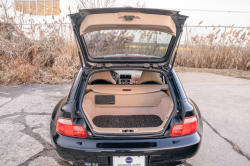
[(126, 106)]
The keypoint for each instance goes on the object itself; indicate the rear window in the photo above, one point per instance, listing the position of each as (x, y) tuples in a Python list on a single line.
[(127, 43)]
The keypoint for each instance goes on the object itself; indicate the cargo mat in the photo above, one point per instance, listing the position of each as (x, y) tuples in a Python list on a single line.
[(127, 121)]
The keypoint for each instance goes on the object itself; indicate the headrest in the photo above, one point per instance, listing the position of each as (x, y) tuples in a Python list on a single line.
[(102, 76), (148, 76)]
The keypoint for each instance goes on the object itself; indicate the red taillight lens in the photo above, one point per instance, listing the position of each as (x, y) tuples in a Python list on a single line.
[(188, 126), (66, 127)]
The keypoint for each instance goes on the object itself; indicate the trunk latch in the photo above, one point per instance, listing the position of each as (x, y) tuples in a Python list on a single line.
[(127, 131), (127, 18)]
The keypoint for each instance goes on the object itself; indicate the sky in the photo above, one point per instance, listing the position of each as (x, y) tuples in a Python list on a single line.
[(236, 11), (241, 18)]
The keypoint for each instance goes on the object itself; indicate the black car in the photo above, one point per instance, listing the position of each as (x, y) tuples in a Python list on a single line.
[(126, 106)]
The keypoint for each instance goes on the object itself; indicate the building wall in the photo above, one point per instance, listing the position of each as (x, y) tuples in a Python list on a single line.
[(20, 10), (40, 10)]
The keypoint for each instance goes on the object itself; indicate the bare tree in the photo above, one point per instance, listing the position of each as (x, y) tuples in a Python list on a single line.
[(140, 4), (5, 7), (89, 4)]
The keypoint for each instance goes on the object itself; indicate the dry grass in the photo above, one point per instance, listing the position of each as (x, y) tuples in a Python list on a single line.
[(220, 49), (224, 51), (52, 57)]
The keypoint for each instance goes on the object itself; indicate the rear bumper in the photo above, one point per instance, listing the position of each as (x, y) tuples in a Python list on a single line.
[(164, 149)]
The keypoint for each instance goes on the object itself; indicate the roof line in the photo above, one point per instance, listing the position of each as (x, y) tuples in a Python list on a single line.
[(203, 10)]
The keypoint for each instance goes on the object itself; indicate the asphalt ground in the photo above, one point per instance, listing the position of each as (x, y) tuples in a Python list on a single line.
[(224, 103)]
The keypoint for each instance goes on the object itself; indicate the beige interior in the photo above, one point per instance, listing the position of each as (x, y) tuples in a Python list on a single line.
[(102, 76), (135, 74), (108, 21), (123, 89), (131, 100), (142, 77), (149, 76), (140, 100)]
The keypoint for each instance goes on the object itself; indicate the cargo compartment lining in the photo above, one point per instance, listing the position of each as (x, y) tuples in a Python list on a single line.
[(127, 121)]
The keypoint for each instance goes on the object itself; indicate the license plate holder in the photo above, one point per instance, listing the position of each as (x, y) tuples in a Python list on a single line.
[(129, 160)]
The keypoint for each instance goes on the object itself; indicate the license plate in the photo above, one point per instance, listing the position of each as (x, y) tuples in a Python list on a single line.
[(128, 160)]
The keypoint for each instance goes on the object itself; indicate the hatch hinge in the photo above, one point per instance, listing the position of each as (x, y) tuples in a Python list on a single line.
[(146, 65), (164, 68), (154, 65), (108, 65), (103, 65), (99, 65), (165, 64), (88, 70)]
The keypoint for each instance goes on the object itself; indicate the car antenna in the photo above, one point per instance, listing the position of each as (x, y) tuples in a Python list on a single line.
[(175, 54)]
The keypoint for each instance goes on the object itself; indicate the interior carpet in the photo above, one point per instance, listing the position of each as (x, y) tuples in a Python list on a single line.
[(127, 121)]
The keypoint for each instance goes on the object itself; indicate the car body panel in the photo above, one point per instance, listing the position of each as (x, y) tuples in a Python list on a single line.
[(166, 149)]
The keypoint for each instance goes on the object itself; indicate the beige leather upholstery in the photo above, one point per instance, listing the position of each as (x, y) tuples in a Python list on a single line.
[(102, 76), (136, 102), (131, 100), (147, 76), (162, 109), (126, 89)]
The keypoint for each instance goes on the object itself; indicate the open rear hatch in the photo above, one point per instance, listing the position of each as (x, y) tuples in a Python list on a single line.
[(126, 38)]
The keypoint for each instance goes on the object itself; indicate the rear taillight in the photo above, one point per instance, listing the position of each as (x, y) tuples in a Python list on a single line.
[(66, 127), (188, 126)]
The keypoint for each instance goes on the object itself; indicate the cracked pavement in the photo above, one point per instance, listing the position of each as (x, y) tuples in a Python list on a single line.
[(224, 103)]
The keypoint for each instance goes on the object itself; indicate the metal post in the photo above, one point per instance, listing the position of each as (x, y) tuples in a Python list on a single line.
[(52, 7), (22, 5)]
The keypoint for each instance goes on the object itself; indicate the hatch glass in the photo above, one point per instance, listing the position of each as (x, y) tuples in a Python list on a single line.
[(123, 44)]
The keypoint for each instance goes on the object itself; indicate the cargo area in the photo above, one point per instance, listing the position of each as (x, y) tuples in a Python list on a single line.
[(127, 108), (127, 101)]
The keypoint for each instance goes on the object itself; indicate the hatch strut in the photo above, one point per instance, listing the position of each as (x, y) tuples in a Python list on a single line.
[(176, 51), (80, 57), (77, 43)]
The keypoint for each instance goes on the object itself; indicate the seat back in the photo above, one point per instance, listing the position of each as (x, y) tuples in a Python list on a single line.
[(148, 77), (102, 78)]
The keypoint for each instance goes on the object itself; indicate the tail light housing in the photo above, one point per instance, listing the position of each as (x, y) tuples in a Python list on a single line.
[(188, 126), (66, 127)]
